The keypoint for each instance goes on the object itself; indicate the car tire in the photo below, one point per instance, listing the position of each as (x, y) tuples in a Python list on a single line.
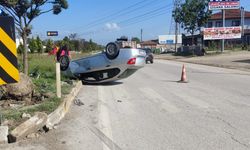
[(151, 61), (64, 62), (112, 50)]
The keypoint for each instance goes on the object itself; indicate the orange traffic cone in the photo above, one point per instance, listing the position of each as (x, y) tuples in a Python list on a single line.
[(183, 75)]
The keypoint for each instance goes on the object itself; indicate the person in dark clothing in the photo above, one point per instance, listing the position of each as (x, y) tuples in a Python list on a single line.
[(203, 52)]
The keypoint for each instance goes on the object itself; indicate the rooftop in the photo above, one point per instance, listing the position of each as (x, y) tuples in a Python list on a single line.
[(151, 42), (230, 14)]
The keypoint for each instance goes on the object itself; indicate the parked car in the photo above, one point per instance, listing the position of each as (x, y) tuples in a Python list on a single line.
[(149, 55), (109, 65)]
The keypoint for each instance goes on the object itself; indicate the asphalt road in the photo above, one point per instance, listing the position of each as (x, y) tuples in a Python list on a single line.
[(151, 111)]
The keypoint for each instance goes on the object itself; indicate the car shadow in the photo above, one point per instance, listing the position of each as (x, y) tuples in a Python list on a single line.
[(170, 81), (219, 73), (112, 83), (243, 61)]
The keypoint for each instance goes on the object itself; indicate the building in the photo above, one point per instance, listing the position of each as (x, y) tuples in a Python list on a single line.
[(167, 42), (169, 39), (125, 43), (152, 44), (128, 44), (233, 17)]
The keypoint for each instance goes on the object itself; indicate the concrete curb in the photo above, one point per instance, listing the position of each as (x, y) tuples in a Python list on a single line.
[(28, 127), (4, 134), (53, 118)]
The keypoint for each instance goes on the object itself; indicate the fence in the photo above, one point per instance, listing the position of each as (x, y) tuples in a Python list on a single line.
[(191, 50)]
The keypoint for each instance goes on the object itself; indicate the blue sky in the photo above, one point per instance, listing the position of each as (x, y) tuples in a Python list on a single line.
[(105, 20)]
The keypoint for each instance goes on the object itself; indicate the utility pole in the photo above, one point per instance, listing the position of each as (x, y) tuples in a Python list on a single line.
[(223, 20), (141, 34), (176, 36), (173, 30), (242, 26)]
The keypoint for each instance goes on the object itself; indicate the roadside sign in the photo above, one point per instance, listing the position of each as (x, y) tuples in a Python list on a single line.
[(52, 33), (169, 41), (222, 33), (8, 56), (224, 4)]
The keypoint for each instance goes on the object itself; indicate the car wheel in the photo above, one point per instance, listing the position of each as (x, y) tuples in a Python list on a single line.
[(64, 63), (112, 50), (151, 61)]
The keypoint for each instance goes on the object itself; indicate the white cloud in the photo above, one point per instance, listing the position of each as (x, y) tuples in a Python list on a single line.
[(112, 26)]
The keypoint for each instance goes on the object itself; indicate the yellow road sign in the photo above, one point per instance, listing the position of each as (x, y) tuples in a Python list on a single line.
[(8, 56)]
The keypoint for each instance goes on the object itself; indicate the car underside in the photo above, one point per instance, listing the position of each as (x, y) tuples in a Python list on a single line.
[(112, 64)]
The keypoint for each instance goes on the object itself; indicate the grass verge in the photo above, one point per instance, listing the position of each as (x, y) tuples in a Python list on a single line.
[(42, 72)]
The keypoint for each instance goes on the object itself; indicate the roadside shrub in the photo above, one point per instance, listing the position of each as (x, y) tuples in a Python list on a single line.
[(212, 46), (20, 49), (156, 51)]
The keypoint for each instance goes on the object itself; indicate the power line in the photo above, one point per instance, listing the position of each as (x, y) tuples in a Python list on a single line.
[(110, 15), (173, 23), (141, 16), (132, 22), (113, 15), (146, 19), (145, 14), (135, 7)]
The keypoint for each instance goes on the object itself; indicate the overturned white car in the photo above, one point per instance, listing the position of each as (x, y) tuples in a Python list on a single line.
[(109, 65)]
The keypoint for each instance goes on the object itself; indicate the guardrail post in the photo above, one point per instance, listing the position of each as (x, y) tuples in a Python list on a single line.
[(58, 80)]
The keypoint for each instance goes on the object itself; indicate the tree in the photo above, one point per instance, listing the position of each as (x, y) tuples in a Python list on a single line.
[(49, 45), (73, 36), (192, 15), (33, 45), (25, 11), (39, 45), (20, 49), (75, 45), (136, 39)]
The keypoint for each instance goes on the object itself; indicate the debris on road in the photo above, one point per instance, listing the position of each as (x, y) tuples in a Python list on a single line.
[(78, 102)]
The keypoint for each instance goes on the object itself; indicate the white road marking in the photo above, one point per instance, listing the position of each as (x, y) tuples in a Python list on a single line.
[(159, 100), (104, 119)]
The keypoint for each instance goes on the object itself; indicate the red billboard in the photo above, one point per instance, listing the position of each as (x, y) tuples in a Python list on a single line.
[(229, 4), (222, 33)]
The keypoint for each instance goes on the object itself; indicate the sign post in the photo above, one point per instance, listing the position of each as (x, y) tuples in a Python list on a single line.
[(58, 71), (8, 57), (58, 80)]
